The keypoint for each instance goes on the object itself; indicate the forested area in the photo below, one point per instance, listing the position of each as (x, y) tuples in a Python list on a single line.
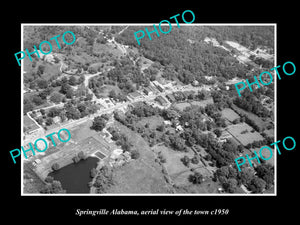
[(230, 178), (190, 61), (249, 102)]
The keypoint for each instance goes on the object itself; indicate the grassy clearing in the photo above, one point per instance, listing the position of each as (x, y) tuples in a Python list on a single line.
[(181, 106), (136, 177), (154, 121), (29, 125), (178, 172), (207, 187), (203, 103), (145, 63), (173, 163), (142, 175), (32, 67), (229, 114), (104, 90), (244, 133)]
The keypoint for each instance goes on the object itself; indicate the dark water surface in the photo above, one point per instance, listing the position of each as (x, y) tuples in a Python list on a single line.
[(76, 176)]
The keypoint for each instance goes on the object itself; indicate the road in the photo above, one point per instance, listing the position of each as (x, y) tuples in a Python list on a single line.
[(121, 105)]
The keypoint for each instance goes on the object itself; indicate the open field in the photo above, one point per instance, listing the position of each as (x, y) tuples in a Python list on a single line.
[(142, 175), (203, 103), (153, 121), (136, 177), (177, 171), (29, 125), (145, 63), (206, 187), (32, 67), (229, 114), (173, 163), (244, 133), (182, 105)]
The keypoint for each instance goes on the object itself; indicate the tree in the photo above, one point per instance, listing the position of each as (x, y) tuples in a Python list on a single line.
[(98, 124), (93, 172), (55, 166), (196, 178), (42, 111), (112, 94), (218, 132), (162, 157), (53, 112), (185, 160), (53, 188), (70, 93), (72, 80), (42, 83), (257, 185), (64, 88), (245, 176), (49, 179), (39, 121), (72, 113), (49, 121), (37, 100), (161, 128), (230, 185), (103, 180), (81, 79), (81, 155), (56, 97), (76, 159), (266, 172), (28, 105), (195, 160), (135, 154)]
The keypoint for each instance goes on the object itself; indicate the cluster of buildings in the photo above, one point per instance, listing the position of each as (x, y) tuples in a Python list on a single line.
[(118, 157)]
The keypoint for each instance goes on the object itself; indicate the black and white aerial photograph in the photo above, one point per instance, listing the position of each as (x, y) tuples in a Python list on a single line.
[(122, 113), (121, 109)]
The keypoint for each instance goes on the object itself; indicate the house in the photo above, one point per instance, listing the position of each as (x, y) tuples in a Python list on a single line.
[(171, 98), (56, 119), (225, 136), (195, 83), (161, 100), (107, 136), (147, 91), (178, 128), (179, 95), (158, 85), (38, 113), (134, 96), (167, 122), (36, 162)]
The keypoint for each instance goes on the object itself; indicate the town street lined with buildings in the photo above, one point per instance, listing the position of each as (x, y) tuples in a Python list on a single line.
[(117, 106)]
